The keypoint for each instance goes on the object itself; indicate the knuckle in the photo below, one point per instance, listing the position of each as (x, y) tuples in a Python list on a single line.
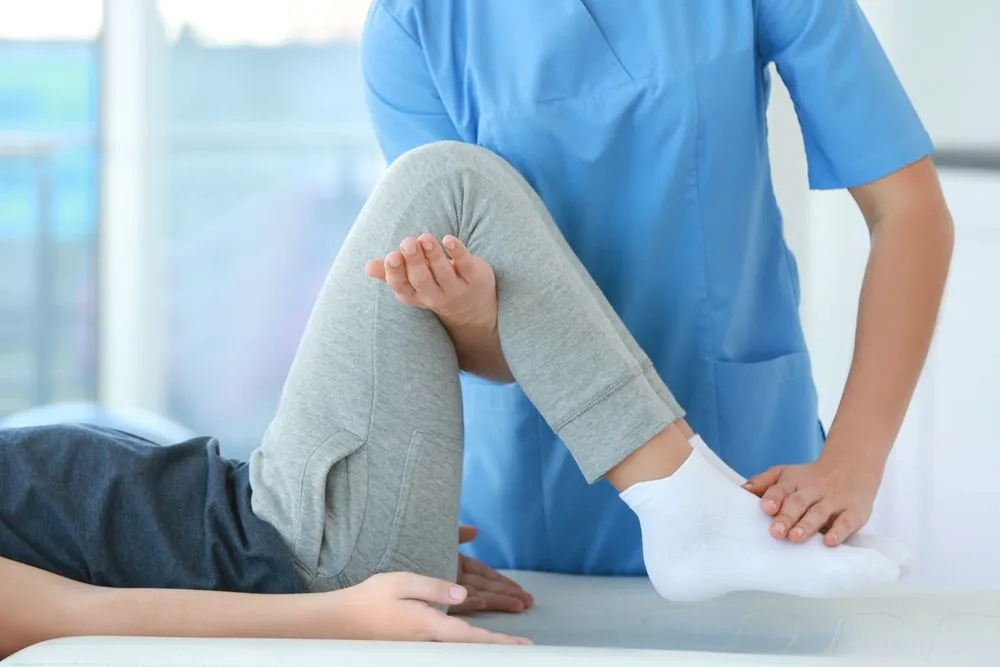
[(433, 302)]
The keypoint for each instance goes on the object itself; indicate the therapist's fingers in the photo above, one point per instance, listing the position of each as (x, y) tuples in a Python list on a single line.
[(466, 534), (811, 522), (775, 495), (441, 267), (495, 595), (846, 525), (470, 567), (793, 508), (758, 484), (419, 274), (395, 278)]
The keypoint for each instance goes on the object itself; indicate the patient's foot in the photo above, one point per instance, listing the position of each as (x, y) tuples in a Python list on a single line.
[(704, 536), (888, 547)]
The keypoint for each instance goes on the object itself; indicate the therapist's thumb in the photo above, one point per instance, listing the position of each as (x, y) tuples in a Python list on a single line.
[(430, 590), (758, 484)]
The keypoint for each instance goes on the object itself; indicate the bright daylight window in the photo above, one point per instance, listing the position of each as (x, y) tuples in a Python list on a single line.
[(266, 158), (270, 159), (49, 92)]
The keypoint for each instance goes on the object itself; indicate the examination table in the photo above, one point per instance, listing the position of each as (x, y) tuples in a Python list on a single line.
[(597, 621)]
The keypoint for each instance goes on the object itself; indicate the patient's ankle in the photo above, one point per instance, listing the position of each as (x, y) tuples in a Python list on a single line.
[(660, 457)]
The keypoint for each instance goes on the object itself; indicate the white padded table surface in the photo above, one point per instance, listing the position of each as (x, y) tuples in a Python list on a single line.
[(623, 622)]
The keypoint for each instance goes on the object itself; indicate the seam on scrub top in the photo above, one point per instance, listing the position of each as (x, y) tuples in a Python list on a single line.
[(588, 98), (607, 42), (541, 489), (379, 4), (704, 253)]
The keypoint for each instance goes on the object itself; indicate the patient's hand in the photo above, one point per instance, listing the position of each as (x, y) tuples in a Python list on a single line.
[(458, 287), (399, 606), (488, 589)]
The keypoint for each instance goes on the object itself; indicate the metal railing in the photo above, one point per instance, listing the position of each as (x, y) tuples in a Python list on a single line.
[(972, 159)]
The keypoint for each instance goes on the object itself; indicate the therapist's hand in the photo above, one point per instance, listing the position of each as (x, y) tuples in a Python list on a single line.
[(457, 286), (833, 495), (488, 589)]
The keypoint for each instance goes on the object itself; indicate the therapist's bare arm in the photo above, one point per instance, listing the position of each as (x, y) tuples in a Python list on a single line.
[(911, 245), (37, 606), (912, 236)]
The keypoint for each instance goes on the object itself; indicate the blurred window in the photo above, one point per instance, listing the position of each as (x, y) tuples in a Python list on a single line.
[(49, 99), (270, 157)]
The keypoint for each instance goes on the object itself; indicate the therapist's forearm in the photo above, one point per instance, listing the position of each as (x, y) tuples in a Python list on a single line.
[(900, 299)]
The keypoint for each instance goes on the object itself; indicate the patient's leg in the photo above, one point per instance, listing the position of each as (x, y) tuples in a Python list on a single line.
[(360, 469)]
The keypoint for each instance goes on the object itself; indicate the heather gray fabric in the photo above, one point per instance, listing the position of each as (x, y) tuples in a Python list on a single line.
[(361, 468)]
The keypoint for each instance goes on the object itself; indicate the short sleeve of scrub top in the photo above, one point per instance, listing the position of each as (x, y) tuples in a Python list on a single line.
[(402, 98), (642, 126), (857, 121)]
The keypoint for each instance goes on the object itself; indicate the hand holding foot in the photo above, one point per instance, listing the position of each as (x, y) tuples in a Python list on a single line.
[(703, 536), (832, 496)]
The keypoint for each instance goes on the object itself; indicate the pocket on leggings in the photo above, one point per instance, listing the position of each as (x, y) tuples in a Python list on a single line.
[(424, 533), (335, 477)]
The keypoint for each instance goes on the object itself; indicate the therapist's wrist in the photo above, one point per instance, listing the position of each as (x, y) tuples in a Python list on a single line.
[(857, 446)]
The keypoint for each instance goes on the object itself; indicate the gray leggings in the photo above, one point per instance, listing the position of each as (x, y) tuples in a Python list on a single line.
[(361, 468)]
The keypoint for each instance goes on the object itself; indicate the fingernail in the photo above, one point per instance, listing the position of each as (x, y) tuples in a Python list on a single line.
[(747, 485), (769, 504), (449, 242), (798, 532), (457, 593), (779, 528), (428, 245), (831, 537), (409, 247), (394, 261)]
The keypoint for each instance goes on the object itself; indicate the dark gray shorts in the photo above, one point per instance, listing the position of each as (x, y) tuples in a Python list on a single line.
[(108, 508)]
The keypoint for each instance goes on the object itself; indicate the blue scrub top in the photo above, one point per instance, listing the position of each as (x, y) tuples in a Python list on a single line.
[(642, 126)]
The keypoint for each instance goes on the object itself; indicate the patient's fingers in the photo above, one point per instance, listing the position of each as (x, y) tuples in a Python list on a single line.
[(419, 274), (395, 278), (441, 267), (375, 268), (465, 262), (456, 631)]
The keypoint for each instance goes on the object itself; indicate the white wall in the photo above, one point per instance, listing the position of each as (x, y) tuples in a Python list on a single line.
[(939, 495)]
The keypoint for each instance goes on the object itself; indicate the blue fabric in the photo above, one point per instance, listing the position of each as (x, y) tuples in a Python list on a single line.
[(104, 507), (643, 127)]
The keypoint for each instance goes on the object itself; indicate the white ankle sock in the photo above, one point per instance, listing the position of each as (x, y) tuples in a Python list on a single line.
[(888, 547), (703, 536)]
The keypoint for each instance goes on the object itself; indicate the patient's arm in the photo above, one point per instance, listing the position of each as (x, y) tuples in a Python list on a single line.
[(37, 606)]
